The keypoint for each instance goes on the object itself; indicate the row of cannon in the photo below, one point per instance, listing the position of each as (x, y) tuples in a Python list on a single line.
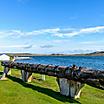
[(91, 77)]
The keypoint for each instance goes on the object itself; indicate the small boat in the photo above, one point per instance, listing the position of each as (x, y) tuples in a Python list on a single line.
[(22, 58)]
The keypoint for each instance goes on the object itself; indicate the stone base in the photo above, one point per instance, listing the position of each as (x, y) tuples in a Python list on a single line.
[(26, 76), (9, 72), (3, 78), (70, 88), (29, 77), (5, 73)]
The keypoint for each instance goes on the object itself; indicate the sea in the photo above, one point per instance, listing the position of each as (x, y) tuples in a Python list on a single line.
[(91, 62)]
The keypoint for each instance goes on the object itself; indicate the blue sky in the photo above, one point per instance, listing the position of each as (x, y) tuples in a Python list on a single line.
[(51, 26)]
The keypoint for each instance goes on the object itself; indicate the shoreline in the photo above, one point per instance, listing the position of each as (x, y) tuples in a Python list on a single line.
[(31, 54)]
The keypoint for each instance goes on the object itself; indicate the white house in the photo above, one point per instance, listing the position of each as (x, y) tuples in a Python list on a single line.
[(4, 57)]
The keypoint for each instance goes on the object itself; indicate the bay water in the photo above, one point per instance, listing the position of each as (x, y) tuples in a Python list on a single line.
[(92, 62)]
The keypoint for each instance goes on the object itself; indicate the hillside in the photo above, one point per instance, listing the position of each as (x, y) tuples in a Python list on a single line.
[(97, 53)]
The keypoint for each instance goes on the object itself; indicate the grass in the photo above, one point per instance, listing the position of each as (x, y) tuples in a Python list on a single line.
[(14, 91)]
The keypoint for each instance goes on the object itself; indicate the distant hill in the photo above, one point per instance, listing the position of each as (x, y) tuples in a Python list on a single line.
[(97, 53), (23, 54)]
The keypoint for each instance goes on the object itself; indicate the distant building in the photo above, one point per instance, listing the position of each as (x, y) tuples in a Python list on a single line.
[(4, 57)]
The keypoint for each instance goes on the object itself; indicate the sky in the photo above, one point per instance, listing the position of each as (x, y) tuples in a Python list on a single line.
[(51, 26)]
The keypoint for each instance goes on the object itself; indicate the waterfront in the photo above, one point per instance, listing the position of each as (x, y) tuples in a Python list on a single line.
[(95, 62)]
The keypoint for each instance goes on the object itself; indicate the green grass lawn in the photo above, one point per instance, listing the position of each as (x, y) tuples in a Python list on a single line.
[(14, 91)]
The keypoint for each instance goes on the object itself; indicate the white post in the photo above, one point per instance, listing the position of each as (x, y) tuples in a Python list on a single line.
[(43, 77)]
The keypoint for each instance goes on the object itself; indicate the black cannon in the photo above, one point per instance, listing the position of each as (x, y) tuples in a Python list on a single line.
[(93, 78)]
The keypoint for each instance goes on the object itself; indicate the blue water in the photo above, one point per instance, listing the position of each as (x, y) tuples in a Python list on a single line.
[(94, 62)]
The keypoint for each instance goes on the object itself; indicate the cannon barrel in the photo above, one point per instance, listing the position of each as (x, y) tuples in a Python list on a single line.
[(93, 78)]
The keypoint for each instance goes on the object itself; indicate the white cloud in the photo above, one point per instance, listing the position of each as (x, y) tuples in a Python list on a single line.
[(83, 31), (16, 46), (93, 29), (19, 33), (96, 42), (47, 46), (89, 42), (11, 33), (66, 32), (43, 31)]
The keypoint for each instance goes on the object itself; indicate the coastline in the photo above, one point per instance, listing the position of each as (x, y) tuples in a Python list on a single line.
[(97, 53), (30, 55)]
